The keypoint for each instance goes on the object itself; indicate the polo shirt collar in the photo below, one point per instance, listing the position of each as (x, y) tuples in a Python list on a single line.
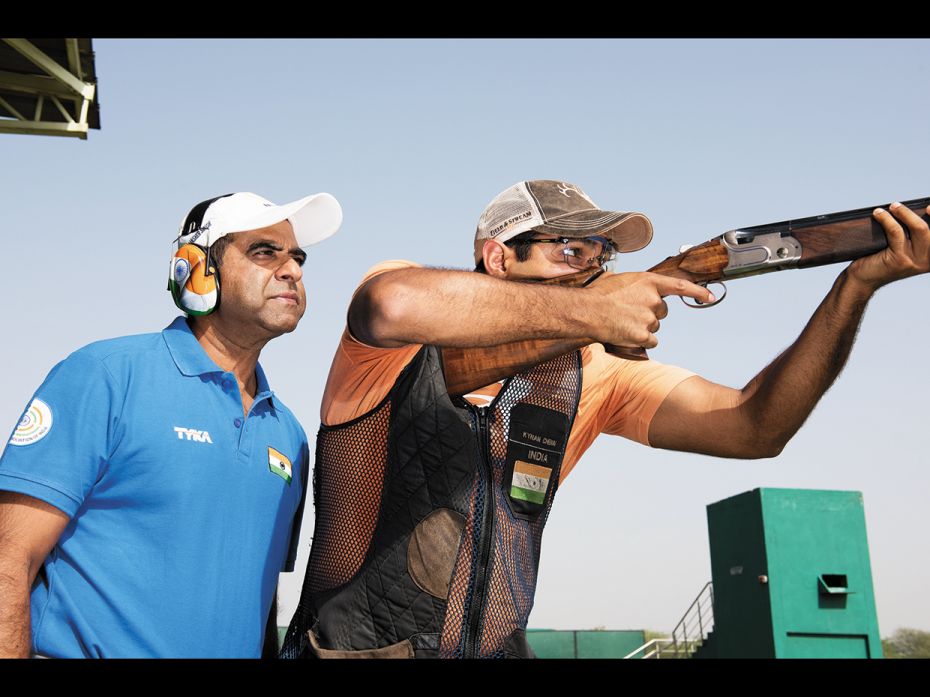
[(186, 351), (261, 382), (190, 358)]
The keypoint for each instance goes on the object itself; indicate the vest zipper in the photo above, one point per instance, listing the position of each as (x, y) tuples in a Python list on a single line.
[(476, 607)]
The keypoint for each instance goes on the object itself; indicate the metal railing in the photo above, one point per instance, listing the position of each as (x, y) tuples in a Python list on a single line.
[(696, 623), (689, 633), (651, 649)]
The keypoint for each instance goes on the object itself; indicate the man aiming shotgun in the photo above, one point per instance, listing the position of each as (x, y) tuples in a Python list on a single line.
[(430, 508)]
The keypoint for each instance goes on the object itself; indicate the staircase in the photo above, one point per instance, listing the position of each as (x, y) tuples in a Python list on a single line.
[(692, 636)]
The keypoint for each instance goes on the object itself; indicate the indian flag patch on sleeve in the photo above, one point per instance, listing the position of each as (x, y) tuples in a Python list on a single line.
[(529, 482), (279, 464)]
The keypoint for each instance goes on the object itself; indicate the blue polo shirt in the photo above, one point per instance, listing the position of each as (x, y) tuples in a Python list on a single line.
[(183, 511)]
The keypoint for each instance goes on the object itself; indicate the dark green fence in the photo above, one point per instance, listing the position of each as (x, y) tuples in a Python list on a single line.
[(554, 643)]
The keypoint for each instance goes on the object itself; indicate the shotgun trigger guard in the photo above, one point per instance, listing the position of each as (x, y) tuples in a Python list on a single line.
[(698, 305)]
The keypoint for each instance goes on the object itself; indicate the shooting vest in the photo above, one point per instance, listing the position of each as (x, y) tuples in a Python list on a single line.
[(429, 518)]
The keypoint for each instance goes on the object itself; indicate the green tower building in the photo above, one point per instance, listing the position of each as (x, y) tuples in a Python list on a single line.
[(791, 576)]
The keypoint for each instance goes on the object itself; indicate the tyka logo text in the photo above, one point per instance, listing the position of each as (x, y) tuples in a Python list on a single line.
[(192, 434)]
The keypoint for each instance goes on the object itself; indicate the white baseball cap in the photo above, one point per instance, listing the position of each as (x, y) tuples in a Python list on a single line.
[(314, 218)]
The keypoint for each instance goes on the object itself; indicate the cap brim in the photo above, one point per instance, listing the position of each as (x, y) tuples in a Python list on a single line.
[(314, 218), (629, 232)]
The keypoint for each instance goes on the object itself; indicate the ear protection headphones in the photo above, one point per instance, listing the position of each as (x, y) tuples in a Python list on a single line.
[(194, 281)]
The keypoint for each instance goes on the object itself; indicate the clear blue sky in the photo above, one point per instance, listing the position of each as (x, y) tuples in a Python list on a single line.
[(414, 138)]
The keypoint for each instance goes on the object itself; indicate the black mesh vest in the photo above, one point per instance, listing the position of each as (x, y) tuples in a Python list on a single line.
[(429, 518)]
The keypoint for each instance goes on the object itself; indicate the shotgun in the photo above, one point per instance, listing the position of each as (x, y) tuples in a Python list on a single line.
[(750, 251)]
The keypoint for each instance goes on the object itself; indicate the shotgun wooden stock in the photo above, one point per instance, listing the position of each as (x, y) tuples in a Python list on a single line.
[(466, 369), (802, 243)]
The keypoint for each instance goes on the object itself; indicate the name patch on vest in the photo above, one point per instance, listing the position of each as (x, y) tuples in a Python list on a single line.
[(535, 445)]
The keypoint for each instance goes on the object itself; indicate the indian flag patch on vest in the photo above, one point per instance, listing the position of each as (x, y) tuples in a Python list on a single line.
[(279, 464), (529, 482)]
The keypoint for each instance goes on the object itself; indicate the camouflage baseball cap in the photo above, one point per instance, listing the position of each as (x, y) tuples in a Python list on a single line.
[(559, 208)]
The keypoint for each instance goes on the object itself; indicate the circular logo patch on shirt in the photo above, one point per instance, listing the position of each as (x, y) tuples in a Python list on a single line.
[(35, 424)]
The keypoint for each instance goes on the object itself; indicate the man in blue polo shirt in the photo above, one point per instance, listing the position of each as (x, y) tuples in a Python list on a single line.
[(153, 489)]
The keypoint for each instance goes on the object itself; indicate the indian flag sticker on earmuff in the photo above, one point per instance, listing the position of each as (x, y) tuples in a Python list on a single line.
[(182, 270), (35, 424), (529, 482), (279, 464), (192, 284)]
